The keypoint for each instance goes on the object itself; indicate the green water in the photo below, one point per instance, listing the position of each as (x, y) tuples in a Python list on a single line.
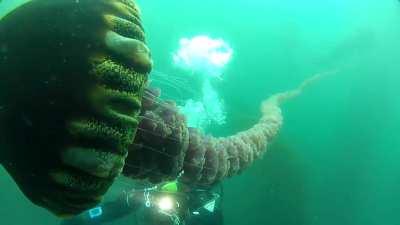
[(336, 159)]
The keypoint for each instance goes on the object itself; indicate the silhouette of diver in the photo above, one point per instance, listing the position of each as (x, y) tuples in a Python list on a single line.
[(170, 203)]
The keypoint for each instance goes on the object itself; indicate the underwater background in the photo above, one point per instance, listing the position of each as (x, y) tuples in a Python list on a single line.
[(336, 160)]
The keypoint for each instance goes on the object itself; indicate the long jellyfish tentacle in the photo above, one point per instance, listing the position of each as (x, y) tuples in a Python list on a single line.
[(227, 156), (164, 145)]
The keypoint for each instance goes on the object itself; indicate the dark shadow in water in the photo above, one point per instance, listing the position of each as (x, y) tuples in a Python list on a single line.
[(271, 192)]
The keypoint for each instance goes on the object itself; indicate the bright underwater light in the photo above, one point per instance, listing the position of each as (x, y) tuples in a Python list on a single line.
[(166, 203), (203, 55)]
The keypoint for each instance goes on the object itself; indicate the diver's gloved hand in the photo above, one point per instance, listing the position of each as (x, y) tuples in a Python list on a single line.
[(72, 78)]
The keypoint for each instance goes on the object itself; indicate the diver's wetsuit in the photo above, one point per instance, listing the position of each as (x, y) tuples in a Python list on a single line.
[(206, 212), (206, 218), (106, 212), (202, 208)]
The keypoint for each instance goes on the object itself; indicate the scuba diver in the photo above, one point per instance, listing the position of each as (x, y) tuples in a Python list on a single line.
[(170, 203)]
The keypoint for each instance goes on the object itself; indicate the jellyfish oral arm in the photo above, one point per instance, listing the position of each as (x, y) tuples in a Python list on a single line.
[(210, 160), (165, 146)]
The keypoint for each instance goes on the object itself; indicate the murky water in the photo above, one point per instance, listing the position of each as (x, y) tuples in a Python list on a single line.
[(336, 159)]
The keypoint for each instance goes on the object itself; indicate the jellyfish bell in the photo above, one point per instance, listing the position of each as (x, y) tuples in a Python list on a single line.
[(72, 77), (203, 55)]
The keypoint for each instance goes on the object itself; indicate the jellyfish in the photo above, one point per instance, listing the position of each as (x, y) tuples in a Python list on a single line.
[(75, 112), (73, 75)]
